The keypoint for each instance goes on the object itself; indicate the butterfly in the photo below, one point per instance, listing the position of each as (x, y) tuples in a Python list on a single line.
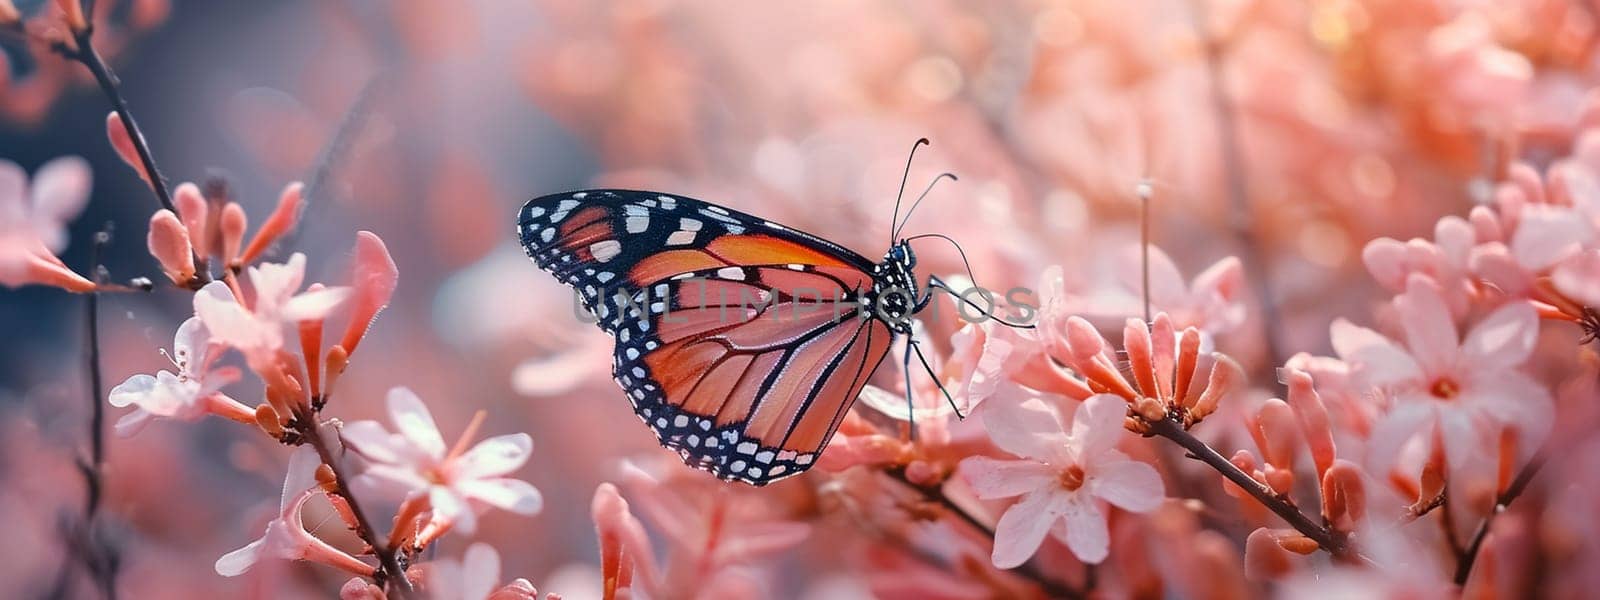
[(741, 342)]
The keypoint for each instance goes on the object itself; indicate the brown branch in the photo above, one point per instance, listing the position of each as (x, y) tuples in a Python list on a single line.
[(392, 572), (1517, 487), (1028, 570), (79, 538), (86, 55), (1333, 542)]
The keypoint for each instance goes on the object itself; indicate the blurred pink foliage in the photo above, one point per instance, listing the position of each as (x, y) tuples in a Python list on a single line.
[(1369, 367)]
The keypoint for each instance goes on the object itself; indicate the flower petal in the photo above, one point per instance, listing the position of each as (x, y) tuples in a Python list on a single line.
[(1023, 527), (494, 456), (60, 191), (449, 507), (513, 495), (412, 420), (1430, 332), (1097, 426), (237, 562), (132, 391), (1025, 428), (480, 571), (1546, 234), (314, 305), (1084, 526), (1393, 431), (1129, 484), (1373, 357), (991, 478), (1503, 339)]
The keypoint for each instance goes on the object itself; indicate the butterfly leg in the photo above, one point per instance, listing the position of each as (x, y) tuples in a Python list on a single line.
[(935, 376), (905, 369)]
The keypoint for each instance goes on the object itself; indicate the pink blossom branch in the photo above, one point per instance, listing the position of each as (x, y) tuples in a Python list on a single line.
[(392, 573), (1242, 221), (1333, 542), (1028, 571), (1517, 487)]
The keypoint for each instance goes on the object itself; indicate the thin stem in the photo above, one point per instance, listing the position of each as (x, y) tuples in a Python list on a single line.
[(1517, 487), (1144, 190), (392, 572), (86, 54), (1333, 542), (332, 155), (1051, 587), (1241, 221)]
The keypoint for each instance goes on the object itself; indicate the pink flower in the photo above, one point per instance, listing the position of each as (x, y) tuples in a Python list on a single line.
[(1061, 477), (286, 536), (475, 577), (1469, 389), (188, 395), (258, 330), (1212, 302), (33, 222), (458, 482)]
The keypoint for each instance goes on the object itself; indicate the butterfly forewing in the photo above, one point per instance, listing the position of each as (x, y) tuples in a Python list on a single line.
[(742, 343)]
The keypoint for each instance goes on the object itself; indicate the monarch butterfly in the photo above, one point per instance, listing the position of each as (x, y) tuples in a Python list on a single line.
[(740, 342)]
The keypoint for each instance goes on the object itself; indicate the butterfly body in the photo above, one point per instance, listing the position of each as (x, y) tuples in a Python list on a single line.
[(741, 343)]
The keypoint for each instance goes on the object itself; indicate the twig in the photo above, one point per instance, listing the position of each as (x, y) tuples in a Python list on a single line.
[(1517, 487), (1241, 221), (86, 54), (1333, 542), (80, 545), (1051, 587), (332, 154), (392, 571)]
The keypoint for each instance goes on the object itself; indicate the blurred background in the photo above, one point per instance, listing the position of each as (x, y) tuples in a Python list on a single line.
[(1286, 132)]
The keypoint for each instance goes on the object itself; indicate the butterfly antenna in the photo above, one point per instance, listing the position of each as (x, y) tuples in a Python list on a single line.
[(936, 282), (898, 195), (914, 205)]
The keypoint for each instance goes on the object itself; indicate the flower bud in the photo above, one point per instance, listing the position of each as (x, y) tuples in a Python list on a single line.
[(278, 223), (193, 211), (373, 281), (1344, 495), (1163, 340), (1313, 417), (326, 479), (1280, 480), (123, 144), (72, 15), (1264, 558), (267, 419), (1150, 409), (1188, 361), (1273, 428), (334, 366), (233, 225), (168, 242), (1225, 375), (1141, 361)]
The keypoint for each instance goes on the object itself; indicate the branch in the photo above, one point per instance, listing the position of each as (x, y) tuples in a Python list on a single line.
[(86, 54), (1242, 220), (1517, 487), (79, 539), (1333, 542), (1028, 571), (392, 571)]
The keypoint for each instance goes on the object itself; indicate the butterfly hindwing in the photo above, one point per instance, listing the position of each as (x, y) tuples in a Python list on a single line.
[(742, 343)]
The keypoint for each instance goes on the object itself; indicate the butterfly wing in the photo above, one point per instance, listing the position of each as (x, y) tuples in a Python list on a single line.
[(740, 342)]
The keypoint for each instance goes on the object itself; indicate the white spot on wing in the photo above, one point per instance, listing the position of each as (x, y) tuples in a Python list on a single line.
[(605, 250)]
